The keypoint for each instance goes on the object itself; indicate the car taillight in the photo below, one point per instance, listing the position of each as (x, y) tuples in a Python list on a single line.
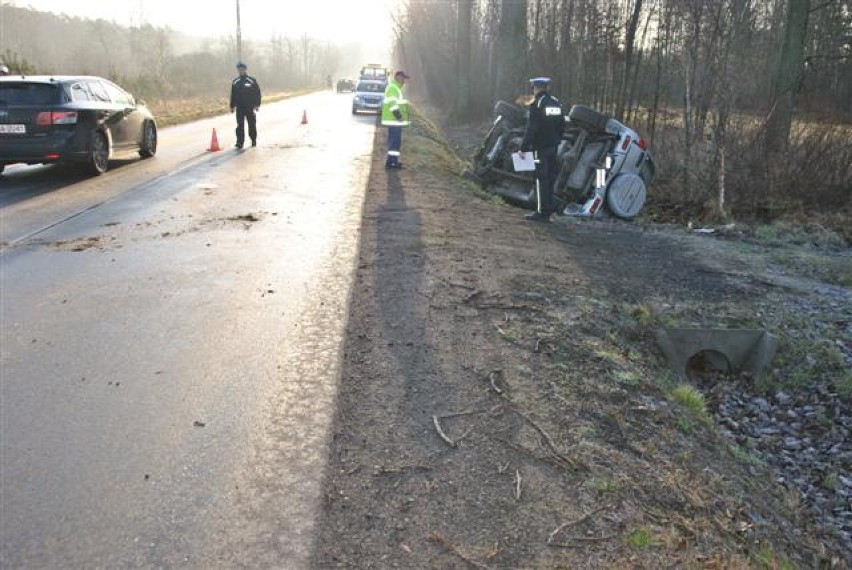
[(48, 118), (595, 205), (626, 143), (643, 144)]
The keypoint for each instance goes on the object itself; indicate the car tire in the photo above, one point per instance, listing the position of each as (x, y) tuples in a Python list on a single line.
[(98, 161), (625, 195), (2, 168), (149, 140), (514, 115), (481, 162), (588, 118)]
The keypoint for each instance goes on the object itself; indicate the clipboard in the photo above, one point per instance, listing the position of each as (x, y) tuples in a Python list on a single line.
[(526, 164)]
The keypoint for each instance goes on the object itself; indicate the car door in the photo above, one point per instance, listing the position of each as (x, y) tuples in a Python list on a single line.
[(109, 115), (128, 119)]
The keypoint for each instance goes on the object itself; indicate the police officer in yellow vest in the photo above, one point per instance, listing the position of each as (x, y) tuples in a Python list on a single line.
[(395, 116)]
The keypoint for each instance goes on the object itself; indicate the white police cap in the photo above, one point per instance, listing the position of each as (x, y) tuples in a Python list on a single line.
[(540, 81)]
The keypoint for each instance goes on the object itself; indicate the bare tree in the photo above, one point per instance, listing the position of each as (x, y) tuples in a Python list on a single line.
[(629, 40), (789, 75), (463, 54), (510, 49)]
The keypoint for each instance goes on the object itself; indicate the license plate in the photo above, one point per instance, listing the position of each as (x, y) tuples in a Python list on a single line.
[(13, 129), (373, 105)]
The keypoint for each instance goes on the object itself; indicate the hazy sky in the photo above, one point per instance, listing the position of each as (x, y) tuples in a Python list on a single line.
[(344, 20)]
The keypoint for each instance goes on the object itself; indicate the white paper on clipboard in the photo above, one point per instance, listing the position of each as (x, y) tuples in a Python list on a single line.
[(525, 164)]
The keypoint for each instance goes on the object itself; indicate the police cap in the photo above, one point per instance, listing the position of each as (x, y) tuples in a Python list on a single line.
[(540, 81)]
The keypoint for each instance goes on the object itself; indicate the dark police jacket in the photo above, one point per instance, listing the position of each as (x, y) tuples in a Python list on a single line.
[(245, 93), (545, 124)]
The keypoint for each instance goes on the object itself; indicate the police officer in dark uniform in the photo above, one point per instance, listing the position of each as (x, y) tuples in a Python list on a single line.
[(245, 99), (543, 135)]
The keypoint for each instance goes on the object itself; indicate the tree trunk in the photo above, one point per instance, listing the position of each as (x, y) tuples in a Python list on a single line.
[(462, 99), (690, 65), (511, 49), (631, 95), (788, 77), (662, 49), (629, 40)]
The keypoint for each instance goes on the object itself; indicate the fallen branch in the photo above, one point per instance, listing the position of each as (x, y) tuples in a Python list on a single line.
[(581, 539), (575, 522), (464, 435), (491, 378), (472, 296), (402, 469), (460, 285), (517, 485), (453, 549), (509, 307), (547, 438), (459, 414), (441, 433)]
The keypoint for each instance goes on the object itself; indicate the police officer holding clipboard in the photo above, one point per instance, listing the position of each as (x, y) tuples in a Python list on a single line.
[(543, 134)]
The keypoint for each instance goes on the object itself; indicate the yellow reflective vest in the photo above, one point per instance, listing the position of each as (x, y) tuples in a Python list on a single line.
[(394, 101)]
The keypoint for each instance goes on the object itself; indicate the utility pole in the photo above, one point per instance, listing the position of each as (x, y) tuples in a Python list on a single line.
[(239, 35)]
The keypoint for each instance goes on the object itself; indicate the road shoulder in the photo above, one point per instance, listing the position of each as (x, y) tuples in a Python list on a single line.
[(501, 405)]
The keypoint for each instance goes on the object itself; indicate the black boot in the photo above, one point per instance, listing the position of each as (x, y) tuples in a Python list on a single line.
[(537, 217)]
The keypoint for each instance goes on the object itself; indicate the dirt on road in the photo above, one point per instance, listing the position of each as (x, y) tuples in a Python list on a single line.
[(503, 405)]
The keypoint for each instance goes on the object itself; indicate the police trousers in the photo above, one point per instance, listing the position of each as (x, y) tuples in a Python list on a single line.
[(246, 115), (546, 171)]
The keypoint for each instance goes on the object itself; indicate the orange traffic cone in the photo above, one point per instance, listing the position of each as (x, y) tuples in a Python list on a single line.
[(214, 143), (305, 117)]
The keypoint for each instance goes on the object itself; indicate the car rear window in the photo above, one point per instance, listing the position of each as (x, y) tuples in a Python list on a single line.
[(23, 93), (370, 87)]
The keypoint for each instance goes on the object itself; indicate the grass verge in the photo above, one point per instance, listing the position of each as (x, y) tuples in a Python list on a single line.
[(429, 149), (189, 110)]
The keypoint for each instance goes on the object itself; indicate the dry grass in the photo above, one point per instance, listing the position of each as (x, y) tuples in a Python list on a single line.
[(813, 177), (186, 110)]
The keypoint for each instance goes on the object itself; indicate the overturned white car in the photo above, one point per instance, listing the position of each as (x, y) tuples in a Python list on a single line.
[(604, 165)]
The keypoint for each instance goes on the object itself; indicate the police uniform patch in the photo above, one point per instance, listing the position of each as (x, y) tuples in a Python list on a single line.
[(552, 111)]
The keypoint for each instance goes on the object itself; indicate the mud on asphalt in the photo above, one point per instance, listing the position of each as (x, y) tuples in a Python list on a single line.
[(502, 405)]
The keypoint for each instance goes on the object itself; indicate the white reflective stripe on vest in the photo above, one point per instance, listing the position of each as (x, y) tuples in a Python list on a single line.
[(396, 123), (394, 153)]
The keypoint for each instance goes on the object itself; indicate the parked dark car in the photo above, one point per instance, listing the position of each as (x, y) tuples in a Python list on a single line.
[(82, 120), (345, 85)]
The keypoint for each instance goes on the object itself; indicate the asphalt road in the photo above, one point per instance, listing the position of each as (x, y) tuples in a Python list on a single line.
[(170, 345)]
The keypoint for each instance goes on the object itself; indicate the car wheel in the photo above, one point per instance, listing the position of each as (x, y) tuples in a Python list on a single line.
[(149, 141), (514, 115), (625, 195), (491, 150), (2, 168), (588, 118), (98, 154)]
